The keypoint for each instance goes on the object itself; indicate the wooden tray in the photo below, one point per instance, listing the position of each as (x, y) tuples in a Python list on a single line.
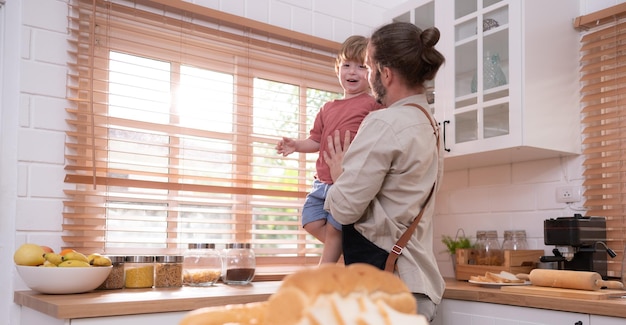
[(518, 261)]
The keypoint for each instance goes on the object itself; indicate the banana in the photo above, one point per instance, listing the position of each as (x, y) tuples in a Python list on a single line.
[(74, 263), (53, 258), (47, 263), (96, 259), (75, 256)]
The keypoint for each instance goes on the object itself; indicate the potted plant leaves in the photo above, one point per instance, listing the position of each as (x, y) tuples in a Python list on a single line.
[(459, 241)]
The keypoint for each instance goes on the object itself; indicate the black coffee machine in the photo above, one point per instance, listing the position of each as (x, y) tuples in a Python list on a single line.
[(576, 239)]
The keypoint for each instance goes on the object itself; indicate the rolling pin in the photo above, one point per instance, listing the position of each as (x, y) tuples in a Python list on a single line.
[(581, 280)]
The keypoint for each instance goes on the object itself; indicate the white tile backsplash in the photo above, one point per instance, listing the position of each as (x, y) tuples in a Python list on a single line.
[(25, 43), (46, 47), (24, 111), (49, 113), (38, 215), (47, 174), (41, 146), (47, 14), (43, 78), (235, 7), (516, 197), (280, 15), (303, 21), (258, 10), (491, 175), (538, 171)]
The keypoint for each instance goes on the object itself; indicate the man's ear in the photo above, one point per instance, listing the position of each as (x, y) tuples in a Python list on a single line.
[(386, 76)]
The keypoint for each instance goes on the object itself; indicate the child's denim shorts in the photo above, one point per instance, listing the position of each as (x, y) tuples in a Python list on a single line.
[(314, 205)]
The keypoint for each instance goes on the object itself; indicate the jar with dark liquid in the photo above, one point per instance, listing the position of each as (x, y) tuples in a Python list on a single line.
[(239, 263)]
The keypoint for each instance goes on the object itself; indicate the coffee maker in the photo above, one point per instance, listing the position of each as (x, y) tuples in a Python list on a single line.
[(576, 239)]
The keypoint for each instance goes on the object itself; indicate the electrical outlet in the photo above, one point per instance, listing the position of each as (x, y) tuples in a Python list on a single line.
[(568, 194)]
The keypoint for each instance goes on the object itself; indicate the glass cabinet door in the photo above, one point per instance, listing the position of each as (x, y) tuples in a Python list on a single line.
[(481, 54)]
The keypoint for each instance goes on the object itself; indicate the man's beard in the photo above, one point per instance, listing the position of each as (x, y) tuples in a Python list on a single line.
[(378, 90)]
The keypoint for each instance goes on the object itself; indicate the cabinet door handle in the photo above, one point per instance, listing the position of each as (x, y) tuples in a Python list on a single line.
[(444, 136)]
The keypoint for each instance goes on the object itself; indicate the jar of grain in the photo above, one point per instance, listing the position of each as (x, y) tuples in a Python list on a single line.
[(115, 280), (239, 263), (202, 265), (139, 272), (168, 271), (489, 248)]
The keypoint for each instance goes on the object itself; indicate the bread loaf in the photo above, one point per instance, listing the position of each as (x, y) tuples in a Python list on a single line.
[(331, 294), (502, 277)]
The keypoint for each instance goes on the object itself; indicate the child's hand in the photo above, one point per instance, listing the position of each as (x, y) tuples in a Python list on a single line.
[(286, 146)]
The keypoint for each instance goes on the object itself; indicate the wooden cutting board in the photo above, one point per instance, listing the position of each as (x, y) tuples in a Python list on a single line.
[(564, 293)]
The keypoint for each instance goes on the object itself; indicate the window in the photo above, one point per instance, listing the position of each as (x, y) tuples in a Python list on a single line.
[(174, 119), (603, 79)]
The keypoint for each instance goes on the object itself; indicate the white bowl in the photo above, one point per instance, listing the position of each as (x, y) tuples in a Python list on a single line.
[(63, 280)]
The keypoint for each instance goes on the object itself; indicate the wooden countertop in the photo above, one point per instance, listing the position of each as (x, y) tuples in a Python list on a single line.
[(143, 301), (139, 301), (463, 290)]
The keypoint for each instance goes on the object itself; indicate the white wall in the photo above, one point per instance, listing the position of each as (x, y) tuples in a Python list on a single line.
[(32, 126)]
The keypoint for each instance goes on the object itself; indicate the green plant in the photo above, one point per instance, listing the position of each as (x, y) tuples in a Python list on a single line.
[(453, 243)]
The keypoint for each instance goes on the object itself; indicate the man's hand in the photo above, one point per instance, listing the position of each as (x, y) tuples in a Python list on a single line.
[(334, 155)]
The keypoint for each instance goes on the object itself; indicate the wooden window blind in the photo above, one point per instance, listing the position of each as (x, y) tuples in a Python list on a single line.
[(175, 112), (603, 82)]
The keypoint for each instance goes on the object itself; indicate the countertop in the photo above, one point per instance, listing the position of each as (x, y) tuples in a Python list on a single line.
[(139, 301)]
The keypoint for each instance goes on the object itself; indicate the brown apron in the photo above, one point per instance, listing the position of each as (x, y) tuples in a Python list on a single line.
[(358, 249)]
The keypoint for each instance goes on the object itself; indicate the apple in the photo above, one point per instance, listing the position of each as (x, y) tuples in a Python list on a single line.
[(47, 249)]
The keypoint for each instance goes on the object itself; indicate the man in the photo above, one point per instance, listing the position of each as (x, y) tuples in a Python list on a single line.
[(393, 164)]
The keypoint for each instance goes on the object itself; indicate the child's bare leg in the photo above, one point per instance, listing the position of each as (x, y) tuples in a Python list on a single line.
[(317, 228), (332, 246)]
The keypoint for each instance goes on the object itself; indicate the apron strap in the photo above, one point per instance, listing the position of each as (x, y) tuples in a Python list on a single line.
[(396, 250)]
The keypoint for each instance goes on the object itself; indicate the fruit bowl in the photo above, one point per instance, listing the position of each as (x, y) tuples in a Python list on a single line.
[(63, 280)]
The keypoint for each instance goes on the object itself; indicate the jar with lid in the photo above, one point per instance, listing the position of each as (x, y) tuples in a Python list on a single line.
[(239, 263), (168, 271), (202, 265), (139, 272), (115, 280), (489, 248), (514, 240)]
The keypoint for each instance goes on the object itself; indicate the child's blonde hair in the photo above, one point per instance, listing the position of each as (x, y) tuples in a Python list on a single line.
[(352, 49)]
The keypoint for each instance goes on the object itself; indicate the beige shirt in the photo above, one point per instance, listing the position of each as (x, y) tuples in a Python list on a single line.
[(388, 172)]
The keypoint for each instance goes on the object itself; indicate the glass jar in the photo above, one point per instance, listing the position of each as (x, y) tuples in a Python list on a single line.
[(481, 241), (514, 240), (493, 249), (489, 248), (139, 272), (168, 271), (239, 263), (115, 280), (202, 265)]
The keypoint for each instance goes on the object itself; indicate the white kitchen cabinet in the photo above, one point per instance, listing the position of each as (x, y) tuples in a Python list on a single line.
[(605, 320), (508, 91), (170, 318), (30, 316), (454, 312)]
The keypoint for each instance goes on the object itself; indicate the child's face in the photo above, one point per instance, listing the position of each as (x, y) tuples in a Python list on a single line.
[(353, 77)]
